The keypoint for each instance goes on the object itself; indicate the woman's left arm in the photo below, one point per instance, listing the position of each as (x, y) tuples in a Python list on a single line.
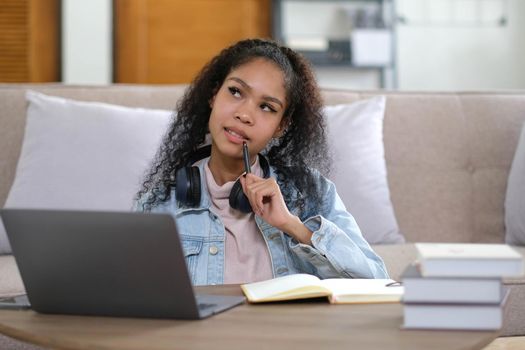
[(337, 248)]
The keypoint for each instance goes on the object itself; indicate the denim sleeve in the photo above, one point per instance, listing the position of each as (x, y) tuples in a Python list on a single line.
[(338, 247)]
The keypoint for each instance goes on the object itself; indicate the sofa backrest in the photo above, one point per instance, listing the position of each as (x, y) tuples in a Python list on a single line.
[(448, 154)]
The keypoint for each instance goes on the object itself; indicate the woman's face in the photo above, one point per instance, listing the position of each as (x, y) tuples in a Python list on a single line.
[(248, 107)]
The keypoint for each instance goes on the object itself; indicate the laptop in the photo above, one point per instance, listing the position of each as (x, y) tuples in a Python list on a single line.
[(124, 264)]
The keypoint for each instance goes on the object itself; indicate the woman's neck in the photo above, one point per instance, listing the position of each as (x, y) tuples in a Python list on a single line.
[(225, 170)]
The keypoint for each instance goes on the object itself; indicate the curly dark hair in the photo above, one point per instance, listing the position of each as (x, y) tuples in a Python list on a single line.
[(300, 149)]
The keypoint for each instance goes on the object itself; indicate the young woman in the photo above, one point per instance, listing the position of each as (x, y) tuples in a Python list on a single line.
[(264, 96)]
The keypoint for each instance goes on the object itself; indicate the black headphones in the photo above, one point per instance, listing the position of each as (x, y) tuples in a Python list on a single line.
[(188, 183)]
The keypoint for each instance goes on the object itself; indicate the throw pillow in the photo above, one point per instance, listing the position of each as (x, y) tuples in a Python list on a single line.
[(83, 155), (355, 133), (515, 197)]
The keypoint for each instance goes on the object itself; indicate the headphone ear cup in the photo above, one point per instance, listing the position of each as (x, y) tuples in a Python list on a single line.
[(195, 186), (188, 186), (238, 199), (181, 185)]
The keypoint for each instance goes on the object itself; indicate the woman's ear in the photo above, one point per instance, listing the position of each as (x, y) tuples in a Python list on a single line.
[(281, 129)]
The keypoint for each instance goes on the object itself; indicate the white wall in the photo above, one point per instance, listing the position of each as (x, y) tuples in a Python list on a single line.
[(457, 45), (87, 45)]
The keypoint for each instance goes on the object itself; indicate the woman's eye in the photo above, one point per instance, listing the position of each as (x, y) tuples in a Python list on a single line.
[(234, 91), (267, 108)]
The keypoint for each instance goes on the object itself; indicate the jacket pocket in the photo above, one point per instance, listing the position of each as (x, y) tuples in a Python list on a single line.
[(192, 247)]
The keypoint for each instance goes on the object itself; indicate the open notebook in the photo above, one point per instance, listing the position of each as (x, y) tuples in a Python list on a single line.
[(338, 290)]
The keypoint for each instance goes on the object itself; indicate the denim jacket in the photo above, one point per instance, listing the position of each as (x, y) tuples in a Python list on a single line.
[(338, 248)]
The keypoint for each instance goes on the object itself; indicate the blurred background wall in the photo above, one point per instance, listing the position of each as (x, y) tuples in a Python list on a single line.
[(402, 44), (461, 44)]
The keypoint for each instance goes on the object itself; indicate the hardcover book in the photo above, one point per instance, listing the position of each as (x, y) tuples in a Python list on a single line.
[(469, 260), (469, 290), (337, 290), (454, 316)]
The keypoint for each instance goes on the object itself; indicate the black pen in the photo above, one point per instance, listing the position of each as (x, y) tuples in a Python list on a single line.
[(246, 156)]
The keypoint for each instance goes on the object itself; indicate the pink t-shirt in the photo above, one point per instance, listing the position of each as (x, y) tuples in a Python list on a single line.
[(246, 255)]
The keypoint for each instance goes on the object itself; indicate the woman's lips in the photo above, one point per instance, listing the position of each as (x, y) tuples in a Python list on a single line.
[(236, 136)]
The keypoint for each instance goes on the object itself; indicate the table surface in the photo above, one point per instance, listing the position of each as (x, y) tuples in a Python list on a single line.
[(313, 324)]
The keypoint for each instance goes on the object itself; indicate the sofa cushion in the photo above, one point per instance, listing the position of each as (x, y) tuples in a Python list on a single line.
[(448, 157), (355, 134), (13, 105), (515, 197), (83, 155)]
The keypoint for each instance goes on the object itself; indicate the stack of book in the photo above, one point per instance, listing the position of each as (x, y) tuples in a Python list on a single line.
[(458, 286)]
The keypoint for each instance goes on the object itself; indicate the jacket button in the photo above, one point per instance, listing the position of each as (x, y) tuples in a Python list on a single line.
[(214, 250)]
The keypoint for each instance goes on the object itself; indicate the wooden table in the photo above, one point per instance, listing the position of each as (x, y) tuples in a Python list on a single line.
[(295, 325)]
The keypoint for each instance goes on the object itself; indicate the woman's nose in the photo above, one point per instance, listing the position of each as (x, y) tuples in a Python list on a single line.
[(244, 116)]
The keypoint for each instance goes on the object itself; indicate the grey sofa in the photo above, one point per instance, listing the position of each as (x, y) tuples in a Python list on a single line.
[(448, 157)]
